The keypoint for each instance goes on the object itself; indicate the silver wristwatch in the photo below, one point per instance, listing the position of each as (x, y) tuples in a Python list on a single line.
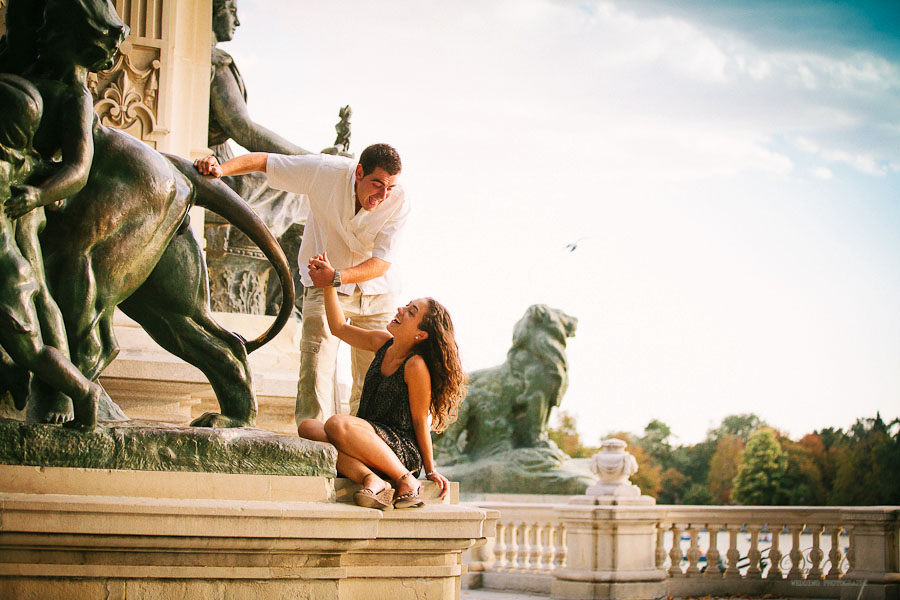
[(336, 281)]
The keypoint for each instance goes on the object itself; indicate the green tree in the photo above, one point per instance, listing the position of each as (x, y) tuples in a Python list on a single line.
[(656, 441), (673, 486), (742, 425), (693, 461), (759, 478), (802, 484), (697, 494), (867, 465), (723, 467)]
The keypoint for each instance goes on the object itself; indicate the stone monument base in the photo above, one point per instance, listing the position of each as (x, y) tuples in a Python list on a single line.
[(522, 471), (92, 533)]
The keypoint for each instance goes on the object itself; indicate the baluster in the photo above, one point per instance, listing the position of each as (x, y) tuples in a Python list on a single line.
[(836, 554), (712, 553), (525, 550), (537, 551), (851, 553), (661, 546), (775, 555), (753, 571), (550, 549), (816, 554), (500, 547), (513, 552), (796, 553), (675, 554), (563, 547), (733, 554), (693, 553)]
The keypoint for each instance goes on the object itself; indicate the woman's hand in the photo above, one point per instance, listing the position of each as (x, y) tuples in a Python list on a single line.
[(320, 270), (441, 481)]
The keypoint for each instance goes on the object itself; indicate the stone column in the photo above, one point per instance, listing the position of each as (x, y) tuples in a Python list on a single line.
[(875, 569), (612, 533)]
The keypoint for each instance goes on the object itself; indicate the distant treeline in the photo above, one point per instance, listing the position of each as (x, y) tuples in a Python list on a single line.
[(744, 461)]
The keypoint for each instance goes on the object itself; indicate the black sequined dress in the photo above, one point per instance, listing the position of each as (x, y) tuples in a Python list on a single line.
[(385, 404)]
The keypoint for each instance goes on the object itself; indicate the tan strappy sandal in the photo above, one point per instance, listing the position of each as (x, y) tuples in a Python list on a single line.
[(409, 499), (382, 500)]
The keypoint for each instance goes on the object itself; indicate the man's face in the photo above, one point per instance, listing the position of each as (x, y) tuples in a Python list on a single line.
[(374, 188)]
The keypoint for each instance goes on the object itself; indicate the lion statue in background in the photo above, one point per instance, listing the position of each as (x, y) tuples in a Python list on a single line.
[(508, 406), (499, 441)]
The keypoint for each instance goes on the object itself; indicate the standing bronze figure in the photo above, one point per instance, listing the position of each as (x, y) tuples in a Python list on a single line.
[(122, 237)]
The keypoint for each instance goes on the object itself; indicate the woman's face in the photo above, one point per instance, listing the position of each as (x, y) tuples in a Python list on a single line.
[(225, 21), (405, 323)]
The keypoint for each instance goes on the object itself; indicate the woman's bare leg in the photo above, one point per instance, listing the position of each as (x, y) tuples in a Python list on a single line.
[(357, 439), (311, 429), (357, 471)]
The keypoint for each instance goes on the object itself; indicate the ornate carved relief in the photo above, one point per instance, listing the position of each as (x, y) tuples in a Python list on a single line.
[(126, 95), (240, 278), (238, 273)]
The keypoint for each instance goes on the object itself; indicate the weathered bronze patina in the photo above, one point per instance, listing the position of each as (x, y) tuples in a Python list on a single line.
[(119, 234)]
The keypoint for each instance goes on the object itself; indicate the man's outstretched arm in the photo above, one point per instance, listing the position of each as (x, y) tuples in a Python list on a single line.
[(239, 165)]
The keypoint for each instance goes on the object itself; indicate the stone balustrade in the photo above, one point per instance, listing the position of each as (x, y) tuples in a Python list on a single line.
[(530, 545), (796, 552)]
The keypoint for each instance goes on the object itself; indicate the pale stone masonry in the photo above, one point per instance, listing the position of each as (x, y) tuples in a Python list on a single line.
[(79, 533)]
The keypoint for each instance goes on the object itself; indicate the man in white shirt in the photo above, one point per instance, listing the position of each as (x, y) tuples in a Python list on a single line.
[(357, 213)]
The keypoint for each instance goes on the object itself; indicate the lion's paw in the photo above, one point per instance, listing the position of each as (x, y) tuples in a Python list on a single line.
[(217, 420), (80, 427)]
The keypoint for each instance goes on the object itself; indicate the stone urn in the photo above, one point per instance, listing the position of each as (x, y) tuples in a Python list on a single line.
[(613, 466)]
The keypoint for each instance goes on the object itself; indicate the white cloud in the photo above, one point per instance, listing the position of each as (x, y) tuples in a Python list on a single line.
[(821, 173), (863, 162)]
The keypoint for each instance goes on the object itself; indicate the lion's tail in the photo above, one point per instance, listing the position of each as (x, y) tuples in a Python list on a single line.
[(214, 195)]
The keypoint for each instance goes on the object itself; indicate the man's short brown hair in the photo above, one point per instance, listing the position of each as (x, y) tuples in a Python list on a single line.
[(380, 156)]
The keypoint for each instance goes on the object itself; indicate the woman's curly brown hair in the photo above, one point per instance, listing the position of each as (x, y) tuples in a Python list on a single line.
[(441, 355)]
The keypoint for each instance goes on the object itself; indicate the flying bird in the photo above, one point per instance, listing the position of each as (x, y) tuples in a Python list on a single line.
[(573, 245)]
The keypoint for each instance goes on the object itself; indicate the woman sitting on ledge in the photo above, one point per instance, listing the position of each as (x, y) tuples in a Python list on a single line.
[(416, 373)]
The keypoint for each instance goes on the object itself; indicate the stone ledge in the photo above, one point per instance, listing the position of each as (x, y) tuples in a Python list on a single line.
[(24, 479), (67, 533), (140, 446)]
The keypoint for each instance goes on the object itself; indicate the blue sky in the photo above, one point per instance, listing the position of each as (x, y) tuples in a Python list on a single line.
[(731, 169)]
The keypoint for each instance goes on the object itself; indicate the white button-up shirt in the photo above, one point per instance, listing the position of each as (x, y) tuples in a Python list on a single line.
[(333, 225)]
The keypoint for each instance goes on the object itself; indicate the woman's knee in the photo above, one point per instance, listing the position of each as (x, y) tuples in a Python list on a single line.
[(337, 428), (310, 429)]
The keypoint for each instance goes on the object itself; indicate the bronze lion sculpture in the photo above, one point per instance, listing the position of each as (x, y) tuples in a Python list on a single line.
[(508, 406), (123, 238)]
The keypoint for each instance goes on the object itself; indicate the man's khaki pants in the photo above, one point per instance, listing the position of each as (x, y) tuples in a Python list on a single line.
[(316, 398)]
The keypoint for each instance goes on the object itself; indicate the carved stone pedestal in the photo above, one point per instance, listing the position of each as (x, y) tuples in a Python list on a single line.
[(611, 536), (241, 280), (81, 533), (611, 550)]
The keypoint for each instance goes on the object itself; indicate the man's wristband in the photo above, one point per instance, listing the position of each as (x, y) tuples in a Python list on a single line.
[(430, 473), (336, 280)]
